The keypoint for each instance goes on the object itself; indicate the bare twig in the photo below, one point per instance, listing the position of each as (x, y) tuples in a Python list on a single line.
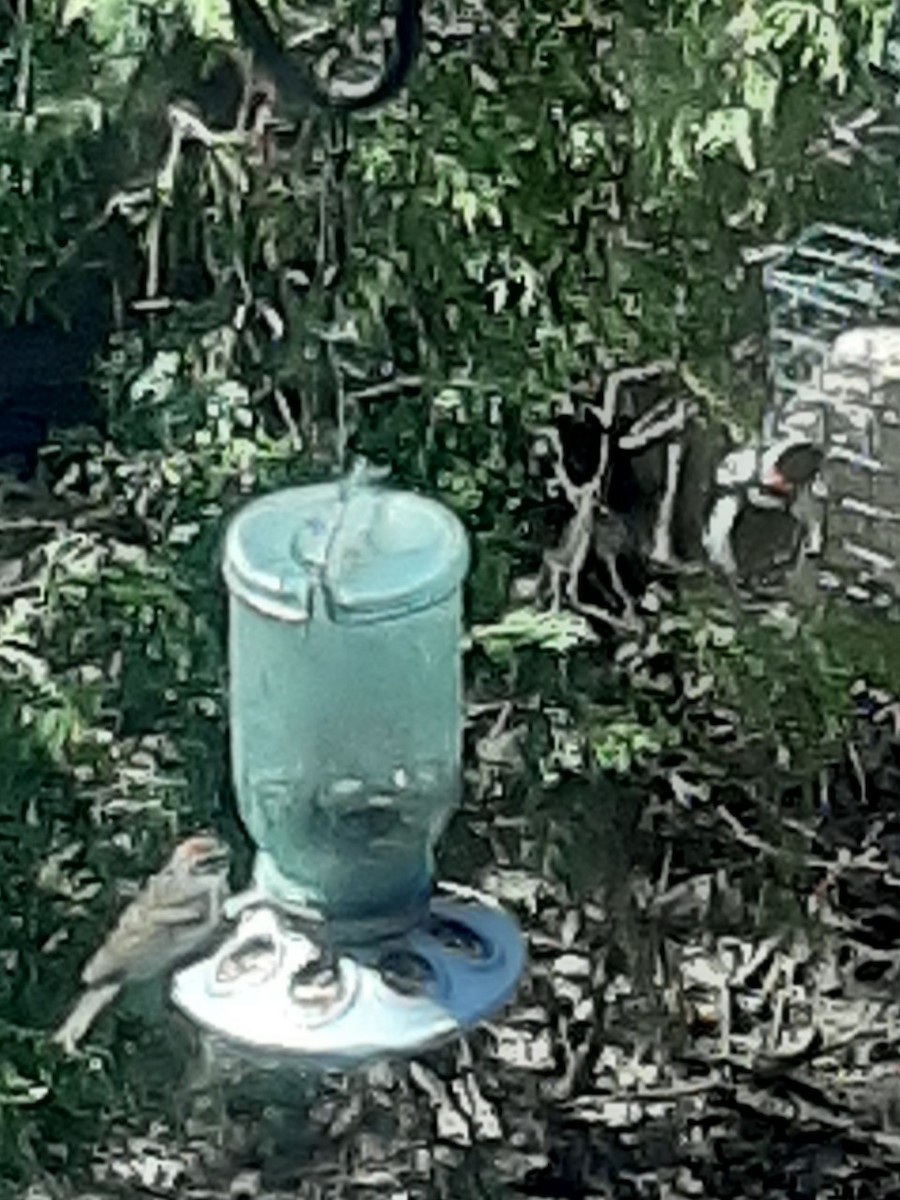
[(758, 959), (661, 1095), (287, 417), (858, 773), (389, 389), (661, 549), (835, 868)]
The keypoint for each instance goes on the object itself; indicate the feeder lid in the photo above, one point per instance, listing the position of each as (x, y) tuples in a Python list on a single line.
[(374, 552)]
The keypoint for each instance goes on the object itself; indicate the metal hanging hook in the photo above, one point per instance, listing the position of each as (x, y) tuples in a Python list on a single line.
[(294, 79)]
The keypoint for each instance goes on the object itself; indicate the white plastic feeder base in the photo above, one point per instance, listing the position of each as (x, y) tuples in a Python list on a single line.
[(270, 994)]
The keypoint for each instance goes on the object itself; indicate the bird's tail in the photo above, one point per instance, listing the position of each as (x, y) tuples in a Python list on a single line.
[(87, 1009)]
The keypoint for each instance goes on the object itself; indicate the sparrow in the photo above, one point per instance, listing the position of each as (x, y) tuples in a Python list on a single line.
[(168, 922)]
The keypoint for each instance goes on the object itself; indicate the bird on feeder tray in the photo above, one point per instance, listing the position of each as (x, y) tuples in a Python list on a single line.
[(757, 523), (168, 923)]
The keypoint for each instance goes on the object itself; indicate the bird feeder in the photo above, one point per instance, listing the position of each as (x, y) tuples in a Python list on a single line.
[(346, 724)]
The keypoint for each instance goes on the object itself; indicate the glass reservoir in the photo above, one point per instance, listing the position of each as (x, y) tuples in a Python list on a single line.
[(346, 694)]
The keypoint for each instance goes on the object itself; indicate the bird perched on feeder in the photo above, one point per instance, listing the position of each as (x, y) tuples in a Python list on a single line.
[(169, 921), (755, 524)]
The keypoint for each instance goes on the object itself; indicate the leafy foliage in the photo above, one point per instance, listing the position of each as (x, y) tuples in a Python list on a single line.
[(567, 187)]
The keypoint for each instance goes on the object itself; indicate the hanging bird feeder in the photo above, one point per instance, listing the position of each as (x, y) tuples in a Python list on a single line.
[(346, 726)]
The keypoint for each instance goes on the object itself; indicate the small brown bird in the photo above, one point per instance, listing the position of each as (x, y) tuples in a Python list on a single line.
[(169, 922)]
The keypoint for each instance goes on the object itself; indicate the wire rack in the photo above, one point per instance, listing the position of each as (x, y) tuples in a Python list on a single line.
[(833, 279)]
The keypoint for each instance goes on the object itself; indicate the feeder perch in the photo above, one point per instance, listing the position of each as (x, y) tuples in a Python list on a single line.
[(346, 731)]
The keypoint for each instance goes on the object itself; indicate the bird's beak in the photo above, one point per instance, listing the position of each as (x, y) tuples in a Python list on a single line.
[(774, 481)]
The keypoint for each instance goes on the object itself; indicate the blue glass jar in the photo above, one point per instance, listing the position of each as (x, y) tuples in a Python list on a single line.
[(346, 693)]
